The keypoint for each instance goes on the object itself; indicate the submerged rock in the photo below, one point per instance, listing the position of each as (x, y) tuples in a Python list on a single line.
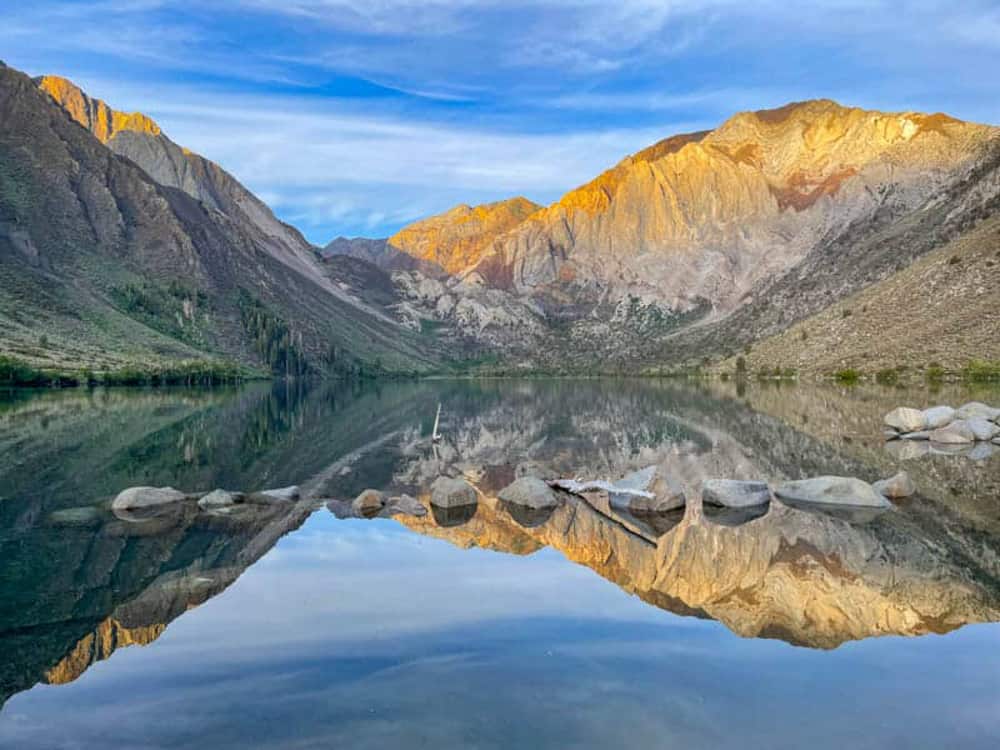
[(896, 487), (957, 433), (731, 493), (939, 416), (220, 499), (983, 429), (281, 495), (530, 492), (905, 419), (982, 451), (146, 497), (452, 493), (88, 515), (908, 450), (832, 491), (977, 409), (368, 502)]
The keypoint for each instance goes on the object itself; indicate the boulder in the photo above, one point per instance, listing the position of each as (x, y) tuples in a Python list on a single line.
[(271, 497), (983, 429), (220, 499), (88, 515), (996, 441), (731, 493), (661, 493), (957, 433), (406, 505), (922, 435), (896, 487), (905, 419), (977, 409), (530, 492), (452, 493), (939, 416), (832, 491), (368, 502), (146, 497)]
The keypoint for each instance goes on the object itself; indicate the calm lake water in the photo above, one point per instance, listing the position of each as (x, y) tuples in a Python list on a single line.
[(305, 625)]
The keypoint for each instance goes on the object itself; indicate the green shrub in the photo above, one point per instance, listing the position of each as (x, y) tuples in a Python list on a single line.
[(981, 371), (934, 373), (848, 375)]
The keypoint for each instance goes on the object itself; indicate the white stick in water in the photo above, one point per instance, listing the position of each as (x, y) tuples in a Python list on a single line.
[(437, 419)]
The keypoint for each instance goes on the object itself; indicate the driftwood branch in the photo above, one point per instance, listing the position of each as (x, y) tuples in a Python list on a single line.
[(578, 487)]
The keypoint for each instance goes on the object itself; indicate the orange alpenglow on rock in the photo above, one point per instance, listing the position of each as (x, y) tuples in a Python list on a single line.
[(457, 239), (95, 115)]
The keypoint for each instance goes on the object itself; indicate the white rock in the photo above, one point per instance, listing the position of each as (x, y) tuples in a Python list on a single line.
[(977, 409), (832, 491), (896, 487), (983, 429), (219, 499), (530, 492), (731, 493), (982, 451), (922, 435), (939, 416), (905, 419), (452, 493), (146, 497), (957, 433), (280, 495)]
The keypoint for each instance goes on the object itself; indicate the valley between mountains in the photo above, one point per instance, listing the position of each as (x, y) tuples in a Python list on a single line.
[(813, 238)]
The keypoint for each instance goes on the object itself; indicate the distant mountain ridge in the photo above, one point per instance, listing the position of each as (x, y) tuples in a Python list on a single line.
[(679, 251)]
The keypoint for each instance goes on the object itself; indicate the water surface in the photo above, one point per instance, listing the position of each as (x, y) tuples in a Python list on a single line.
[(585, 626)]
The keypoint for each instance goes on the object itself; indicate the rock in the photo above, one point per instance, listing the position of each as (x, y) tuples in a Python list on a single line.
[(908, 450), (957, 433), (368, 502), (146, 497), (85, 516), (939, 416), (405, 505), (731, 493), (982, 451), (530, 492), (220, 499), (977, 409), (271, 497), (832, 491), (996, 441), (452, 493), (896, 487), (922, 435), (891, 435), (983, 429), (647, 491), (905, 419)]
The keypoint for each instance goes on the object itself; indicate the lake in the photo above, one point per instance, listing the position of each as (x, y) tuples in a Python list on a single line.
[(306, 624)]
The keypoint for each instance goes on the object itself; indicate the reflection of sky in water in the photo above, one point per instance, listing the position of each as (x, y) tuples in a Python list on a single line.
[(362, 634)]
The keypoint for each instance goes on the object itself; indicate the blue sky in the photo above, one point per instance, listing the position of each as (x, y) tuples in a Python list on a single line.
[(357, 116)]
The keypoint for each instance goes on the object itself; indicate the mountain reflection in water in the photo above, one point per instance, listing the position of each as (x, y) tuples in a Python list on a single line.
[(77, 581)]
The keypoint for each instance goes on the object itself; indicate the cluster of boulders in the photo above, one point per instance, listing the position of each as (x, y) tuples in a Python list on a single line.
[(137, 498), (942, 425)]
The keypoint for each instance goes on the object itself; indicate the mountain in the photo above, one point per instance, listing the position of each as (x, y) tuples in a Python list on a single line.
[(138, 138), (103, 266), (708, 241), (457, 239)]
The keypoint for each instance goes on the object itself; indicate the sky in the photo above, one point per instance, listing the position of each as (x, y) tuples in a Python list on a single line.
[(355, 117)]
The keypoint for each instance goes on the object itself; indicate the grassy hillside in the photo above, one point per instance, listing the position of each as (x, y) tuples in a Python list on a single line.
[(936, 315)]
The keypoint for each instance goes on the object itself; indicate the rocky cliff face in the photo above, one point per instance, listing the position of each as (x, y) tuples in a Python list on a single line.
[(457, 239), (137, 137)]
